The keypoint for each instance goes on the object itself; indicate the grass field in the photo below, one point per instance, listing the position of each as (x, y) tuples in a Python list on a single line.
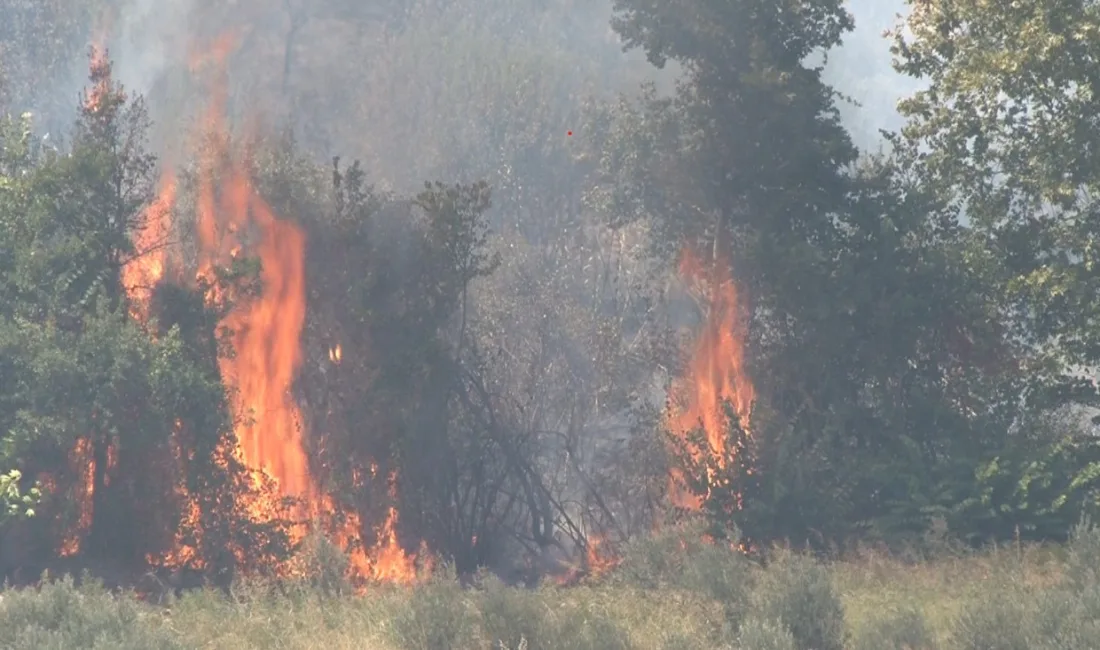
[(662, 596)]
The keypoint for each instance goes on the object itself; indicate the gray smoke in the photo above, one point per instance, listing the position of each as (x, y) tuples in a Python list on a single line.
[(862, 69)]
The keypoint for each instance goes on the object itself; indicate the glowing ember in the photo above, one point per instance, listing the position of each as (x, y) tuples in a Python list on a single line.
[(716, 373)]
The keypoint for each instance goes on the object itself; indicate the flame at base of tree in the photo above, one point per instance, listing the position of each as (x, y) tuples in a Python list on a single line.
[(82, 464), (716, 373), (264, 326)]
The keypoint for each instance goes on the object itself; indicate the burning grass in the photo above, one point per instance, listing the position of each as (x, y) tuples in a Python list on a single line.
[(664, 594)]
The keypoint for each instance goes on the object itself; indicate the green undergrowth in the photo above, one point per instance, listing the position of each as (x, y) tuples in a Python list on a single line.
[(670, 592)]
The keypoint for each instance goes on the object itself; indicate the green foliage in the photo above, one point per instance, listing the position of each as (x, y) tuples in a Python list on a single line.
[(456, 237), (14, 503), (999, 138), (1062, 616), (724, 482), (1035, 487), (515, 618), (880, 366), (914, 322), (1000, 120), (1003, 621), (680, 558), (998, 600), (141, 404)]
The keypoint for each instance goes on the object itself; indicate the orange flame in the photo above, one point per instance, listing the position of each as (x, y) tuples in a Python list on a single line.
[(142, 273), (81, 461), (391, 563), (266, 341), (99, 64), (598, 559), (266, 333), (717, 372)]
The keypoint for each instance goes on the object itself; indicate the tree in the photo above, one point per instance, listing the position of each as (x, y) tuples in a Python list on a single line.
[(1005, 136), (114, 414), (883, 374)]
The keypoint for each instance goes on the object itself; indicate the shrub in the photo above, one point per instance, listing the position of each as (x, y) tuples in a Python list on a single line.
[(655, 560), (763, 634), (513, 617), (1001, 622), (59, 615), (325, 566), (1066, 620), (582, 623), (1083, 558), (799, 592), (437, 616), (901, 630), (679, 558), (547, 619)]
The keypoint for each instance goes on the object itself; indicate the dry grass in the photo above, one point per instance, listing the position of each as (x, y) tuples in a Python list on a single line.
[(662, 597), (876, 586)]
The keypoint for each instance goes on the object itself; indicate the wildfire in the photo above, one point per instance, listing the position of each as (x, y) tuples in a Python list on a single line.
[(141, 275), (231, 219), (716, 372), (82, 462), (100, 66), (266, 331), (597, 560)]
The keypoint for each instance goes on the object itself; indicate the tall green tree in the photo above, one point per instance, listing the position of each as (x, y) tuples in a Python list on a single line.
[(881, 366), (1005, 135), (1006, 132)]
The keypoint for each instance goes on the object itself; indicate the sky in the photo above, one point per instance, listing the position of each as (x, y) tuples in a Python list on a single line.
[(861, 68)]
